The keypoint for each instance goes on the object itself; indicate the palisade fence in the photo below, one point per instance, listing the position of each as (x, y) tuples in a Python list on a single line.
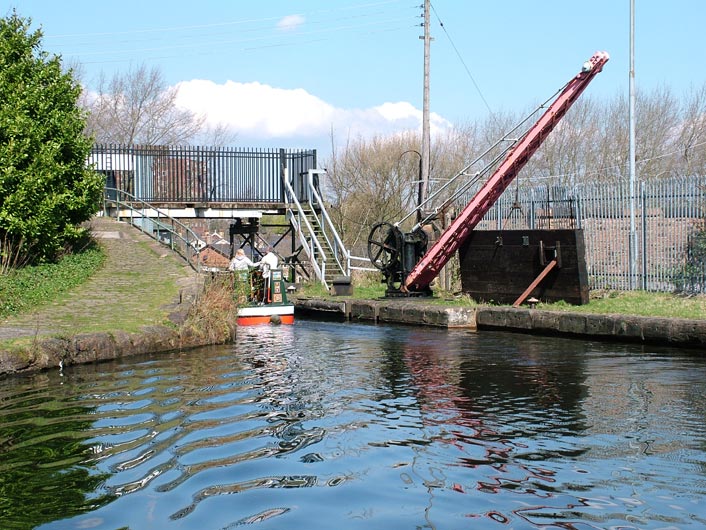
[(670, 228), (168, 174)]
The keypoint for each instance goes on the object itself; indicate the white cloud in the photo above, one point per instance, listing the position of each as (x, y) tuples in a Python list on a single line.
[(262, 112), (290, 22)]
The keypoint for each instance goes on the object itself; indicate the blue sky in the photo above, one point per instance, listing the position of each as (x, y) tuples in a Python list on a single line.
[(287, 73)]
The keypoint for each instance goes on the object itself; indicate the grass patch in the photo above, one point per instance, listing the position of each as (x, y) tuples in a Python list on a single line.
[(129, 286), (128, 293), (374, 291), (640, 303), (24, 289)]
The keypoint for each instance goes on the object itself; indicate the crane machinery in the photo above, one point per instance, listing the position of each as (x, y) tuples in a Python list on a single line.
[(407, 266)]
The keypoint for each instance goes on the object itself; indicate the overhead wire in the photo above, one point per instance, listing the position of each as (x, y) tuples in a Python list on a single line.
[(463, 62), (156, 39), (218, 24), (233, 41)]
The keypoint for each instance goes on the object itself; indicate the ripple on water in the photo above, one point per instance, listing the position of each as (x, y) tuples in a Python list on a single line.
[(320, 425)]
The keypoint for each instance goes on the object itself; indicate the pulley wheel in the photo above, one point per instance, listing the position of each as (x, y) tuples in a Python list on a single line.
[(384, 246)]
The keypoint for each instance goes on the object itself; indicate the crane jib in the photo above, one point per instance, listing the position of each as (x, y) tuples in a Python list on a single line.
[(449, 242)]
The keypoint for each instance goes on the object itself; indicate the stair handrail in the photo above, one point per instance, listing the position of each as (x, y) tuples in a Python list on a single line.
[(126, 200), (313, 240), (338, 248)]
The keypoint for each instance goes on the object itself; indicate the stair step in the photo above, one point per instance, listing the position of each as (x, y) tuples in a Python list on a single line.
[(313, 218)]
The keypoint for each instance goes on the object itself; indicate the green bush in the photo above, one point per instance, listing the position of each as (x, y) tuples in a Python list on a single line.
[(691, 277), (46, 190)]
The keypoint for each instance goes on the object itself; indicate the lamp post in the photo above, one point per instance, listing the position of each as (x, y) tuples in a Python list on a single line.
[(632, 254), (425, 108)]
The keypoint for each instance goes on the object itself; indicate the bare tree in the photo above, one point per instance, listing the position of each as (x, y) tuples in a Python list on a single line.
[(658, 116), (137, 107), (372, 180), (219, 135), (692, 133), (377, 179)]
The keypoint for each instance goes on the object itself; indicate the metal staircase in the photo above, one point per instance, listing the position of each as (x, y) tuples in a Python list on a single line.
[(326, 256), (314, 230), (154, 222)]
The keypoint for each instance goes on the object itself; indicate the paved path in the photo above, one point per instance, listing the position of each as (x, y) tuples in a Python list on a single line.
[(134, 288)]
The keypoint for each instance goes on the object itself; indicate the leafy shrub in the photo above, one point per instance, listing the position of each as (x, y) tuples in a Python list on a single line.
[(46, 190), (691, 278)]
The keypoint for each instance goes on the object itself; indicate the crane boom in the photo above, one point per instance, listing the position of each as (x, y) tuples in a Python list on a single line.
[(441, 252)]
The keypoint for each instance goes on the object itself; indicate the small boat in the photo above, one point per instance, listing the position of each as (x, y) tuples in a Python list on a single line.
[(268, 302)]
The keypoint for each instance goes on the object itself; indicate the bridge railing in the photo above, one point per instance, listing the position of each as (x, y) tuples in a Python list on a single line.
[(306, 234), (176, 174), (155, 223), (328, 231)]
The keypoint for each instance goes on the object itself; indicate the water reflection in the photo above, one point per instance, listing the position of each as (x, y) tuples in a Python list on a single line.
[(325, 425), (43, 443)]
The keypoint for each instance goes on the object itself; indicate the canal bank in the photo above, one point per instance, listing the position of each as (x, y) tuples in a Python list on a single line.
[(141, 301), (64, 332), (624, 328)]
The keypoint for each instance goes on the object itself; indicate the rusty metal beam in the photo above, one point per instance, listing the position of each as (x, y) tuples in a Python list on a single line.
[(536, 282)]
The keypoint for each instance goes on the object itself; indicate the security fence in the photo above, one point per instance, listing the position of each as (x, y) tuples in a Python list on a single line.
[(669, 221)]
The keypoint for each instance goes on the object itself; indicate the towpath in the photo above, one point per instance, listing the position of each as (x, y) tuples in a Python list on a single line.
[(137, 286)]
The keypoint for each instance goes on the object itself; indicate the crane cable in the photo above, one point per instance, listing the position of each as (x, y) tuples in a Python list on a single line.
[(478, 175)]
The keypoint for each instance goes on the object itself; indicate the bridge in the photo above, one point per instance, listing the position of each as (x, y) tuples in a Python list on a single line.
[(161, 188)]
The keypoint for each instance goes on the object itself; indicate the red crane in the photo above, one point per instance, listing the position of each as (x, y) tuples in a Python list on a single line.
[(424, 272)]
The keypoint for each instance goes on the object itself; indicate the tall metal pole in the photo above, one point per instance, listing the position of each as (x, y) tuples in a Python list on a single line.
[(426, 142), (633, 236)]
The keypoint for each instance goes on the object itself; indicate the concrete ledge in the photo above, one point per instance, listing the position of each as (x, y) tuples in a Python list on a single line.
[(669, 331), (399, 311), (320, 307), (427, 314), (364, 310), (90, 347)]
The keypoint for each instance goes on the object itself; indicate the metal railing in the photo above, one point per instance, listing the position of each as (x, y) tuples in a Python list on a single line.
[(176, 174), (305, 232), (155, 223), (318, 211)]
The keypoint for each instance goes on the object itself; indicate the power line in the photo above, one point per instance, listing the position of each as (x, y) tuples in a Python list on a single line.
[(224, 24), (465, 66), (130, 57), (331, 30)]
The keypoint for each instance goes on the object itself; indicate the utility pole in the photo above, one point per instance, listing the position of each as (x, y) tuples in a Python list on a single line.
[(426, 142)]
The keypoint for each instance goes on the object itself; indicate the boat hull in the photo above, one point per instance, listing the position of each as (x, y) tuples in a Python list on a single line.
[(266, 314)]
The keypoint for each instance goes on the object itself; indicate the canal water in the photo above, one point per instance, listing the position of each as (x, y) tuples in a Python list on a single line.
[(345, 426)]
